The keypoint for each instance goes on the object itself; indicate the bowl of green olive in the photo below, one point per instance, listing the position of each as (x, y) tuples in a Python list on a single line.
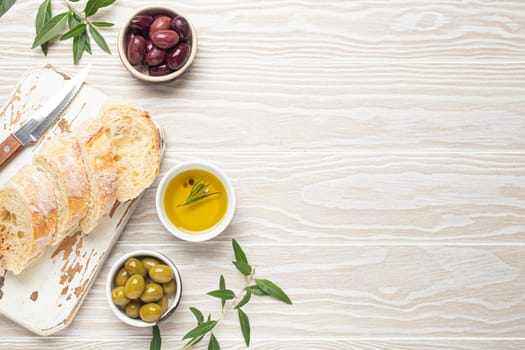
[(143, 288)]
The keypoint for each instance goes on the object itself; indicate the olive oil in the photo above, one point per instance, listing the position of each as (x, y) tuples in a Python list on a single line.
[(199, 215)]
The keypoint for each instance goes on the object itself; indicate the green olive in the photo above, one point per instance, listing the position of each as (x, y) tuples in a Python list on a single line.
[(121, 277), (150, 312), (119, 297), (163, 303), (134, 286), (149, 262), (161, 273), (134, 266), (170, 287), (132, 309), (152, 293)]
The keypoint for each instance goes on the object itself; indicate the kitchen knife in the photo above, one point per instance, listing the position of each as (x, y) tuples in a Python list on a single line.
[(35, 127)]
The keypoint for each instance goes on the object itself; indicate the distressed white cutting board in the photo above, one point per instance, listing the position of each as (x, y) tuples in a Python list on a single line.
[(47, 295)]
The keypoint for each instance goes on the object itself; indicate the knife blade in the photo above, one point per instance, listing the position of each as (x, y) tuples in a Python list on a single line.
[(42, 119)]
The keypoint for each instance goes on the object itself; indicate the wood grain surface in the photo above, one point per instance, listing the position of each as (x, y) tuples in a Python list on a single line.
[(377, 152)]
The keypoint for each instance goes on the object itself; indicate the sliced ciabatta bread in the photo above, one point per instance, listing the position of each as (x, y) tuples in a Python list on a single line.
[(28, 217), (61, 160), (135, 143), (101, 172)]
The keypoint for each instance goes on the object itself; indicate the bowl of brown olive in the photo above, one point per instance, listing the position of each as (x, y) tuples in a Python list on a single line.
[(157, 44), (143, 288)]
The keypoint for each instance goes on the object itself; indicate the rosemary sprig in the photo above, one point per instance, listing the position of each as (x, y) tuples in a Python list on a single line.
[(198, 192)]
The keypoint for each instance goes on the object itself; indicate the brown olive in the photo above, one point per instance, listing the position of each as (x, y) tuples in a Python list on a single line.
[(161, 273), (169, 288), (134, 266), (121, 277), (134, 286), (149, 262), (163, 303), (150, 312), (132, 309), (152, 293), (119, 297)]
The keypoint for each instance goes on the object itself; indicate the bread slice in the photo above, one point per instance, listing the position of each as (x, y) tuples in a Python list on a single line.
[(60, 159), (135, 143), (28, 217), (101, 172)]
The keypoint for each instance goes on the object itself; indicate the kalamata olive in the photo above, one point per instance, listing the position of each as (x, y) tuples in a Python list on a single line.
[(150, 312), (152, 293), (182, 27), (136, 49), (158, 71), (178, 56), (140, 24), (165, 39), (170, 287), (160, 23), (134, 266), (149, 262), (129, 38), (161, 273), (121, 277), (119, 297), (132, 309), (134, 287), (154, 57)]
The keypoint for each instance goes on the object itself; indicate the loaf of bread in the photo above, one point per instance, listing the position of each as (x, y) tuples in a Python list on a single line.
[(101, 172), (60, 159), (135, 143), (74, 181), (28, 218)]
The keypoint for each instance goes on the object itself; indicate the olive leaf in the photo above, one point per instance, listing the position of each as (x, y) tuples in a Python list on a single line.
[(76, 31), (43, 16), (5, 5), (222, 286), (51, 29), (198, 314), (87, 44), (245, 326), (201, 329), (222, 294), (257, 291), (243, 268), (273, 290), (99, 39), (156, 340), (93, 6), (102, 24), (213, 344), (244, 299), (239, 253)]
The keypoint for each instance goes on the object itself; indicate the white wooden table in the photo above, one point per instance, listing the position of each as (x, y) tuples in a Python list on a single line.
[(377, 150)]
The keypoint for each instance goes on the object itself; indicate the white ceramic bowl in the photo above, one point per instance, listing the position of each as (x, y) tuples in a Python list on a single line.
[(173, 300), (206, 234)]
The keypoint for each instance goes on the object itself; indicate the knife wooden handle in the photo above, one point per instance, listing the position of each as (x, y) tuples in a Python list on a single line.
[(8, 149)]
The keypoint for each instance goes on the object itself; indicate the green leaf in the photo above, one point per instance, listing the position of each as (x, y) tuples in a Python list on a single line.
[(198, 314), (222, 286), (243, 268), (93, 6), (156, 340), (273, 290), (5, 5), (245, 299), (239, 253), (103, 24), (42, 17), (209, 317), (76, 31), (257, 291), (222, 294), (51, 29), (245, 326), (213, 344), (79, 43), (99, 39), (73, 20), (87, 45), (201, 329)]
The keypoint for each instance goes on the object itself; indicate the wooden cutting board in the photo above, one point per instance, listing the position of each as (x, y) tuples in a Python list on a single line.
[(47, 295)]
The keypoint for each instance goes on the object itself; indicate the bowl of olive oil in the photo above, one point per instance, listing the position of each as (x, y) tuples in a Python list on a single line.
[(195, 201)]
